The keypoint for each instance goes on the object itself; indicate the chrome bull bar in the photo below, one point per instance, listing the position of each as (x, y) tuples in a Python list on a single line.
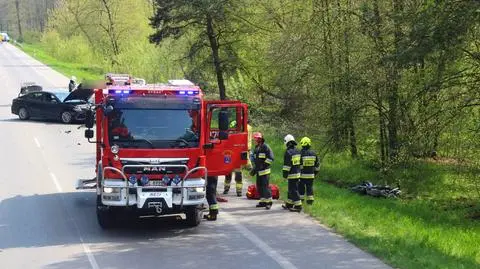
[(127, 186)]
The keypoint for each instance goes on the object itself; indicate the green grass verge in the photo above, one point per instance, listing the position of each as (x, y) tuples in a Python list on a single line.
[(430, 231), (82, 72)]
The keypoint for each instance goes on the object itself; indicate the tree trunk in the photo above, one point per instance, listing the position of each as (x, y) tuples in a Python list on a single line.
[(393, 78), (216, 57), (20, 33)]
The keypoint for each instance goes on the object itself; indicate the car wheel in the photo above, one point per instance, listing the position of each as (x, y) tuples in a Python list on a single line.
[(23, 114), (66, 117)]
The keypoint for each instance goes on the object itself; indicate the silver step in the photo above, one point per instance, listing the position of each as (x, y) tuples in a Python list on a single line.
[(86, 184)]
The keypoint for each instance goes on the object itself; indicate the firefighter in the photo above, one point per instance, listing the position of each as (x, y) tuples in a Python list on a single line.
[(211, 193), (72, 84), (309, 169), (263, 158), (291, 172), (238, 172)]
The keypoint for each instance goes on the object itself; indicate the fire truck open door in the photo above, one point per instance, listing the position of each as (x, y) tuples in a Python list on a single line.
[(226, 145)]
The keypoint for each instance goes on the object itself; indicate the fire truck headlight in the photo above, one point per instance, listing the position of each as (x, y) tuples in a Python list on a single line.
[(132, 180), (144, 180), (166, 180), (115, 149), (111, 190), (176, 179)]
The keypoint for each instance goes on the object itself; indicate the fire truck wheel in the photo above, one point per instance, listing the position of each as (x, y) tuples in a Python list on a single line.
[(66, 117), (23, 113), (105, 216), (193, 215)]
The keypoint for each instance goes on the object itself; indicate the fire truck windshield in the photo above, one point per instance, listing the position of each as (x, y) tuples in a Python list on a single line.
[(154, 128)]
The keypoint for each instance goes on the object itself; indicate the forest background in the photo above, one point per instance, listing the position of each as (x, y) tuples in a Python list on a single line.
[(387, 90)]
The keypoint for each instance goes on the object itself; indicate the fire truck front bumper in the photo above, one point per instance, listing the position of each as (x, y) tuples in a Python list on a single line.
[(161, 199)]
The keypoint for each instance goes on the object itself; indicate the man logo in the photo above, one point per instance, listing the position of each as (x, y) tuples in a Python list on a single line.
[(155, 169)]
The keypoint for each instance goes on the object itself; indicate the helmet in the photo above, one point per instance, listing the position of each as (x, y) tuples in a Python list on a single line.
[(233, 124), (288, 138), (257, 135), (305, 142)]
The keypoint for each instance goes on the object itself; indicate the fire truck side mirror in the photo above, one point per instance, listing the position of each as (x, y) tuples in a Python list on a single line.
[(89, 133), (89, 119)]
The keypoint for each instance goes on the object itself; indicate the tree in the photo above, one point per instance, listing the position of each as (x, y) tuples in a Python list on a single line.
[(212, 24)]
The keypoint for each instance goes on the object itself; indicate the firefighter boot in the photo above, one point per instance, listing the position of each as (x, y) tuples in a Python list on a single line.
[(268, 205), (288, 204), (239, 189), (296, 208), (261, 204), (212, 215)]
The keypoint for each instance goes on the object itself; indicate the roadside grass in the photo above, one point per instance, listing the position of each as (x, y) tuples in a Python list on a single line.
[(430, 228), (436, 224), (81, 71)]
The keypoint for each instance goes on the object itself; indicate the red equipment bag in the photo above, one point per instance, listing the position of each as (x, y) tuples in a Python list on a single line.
[(252, 192)]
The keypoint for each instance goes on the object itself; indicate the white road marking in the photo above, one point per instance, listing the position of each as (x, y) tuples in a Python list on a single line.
[(282, 261), (55, 181), (36, 142), (86, 249)]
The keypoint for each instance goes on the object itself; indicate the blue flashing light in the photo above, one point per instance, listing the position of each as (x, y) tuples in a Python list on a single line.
[(166, 180), (132, 180), (144, 180), (118, 91), (190, 92), (181, 92), (177, 179)]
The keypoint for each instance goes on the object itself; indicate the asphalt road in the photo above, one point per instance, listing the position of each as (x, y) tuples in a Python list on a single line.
[(45, 223)]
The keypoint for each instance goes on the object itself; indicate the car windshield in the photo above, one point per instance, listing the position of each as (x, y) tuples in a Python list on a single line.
[(61, 95), (154, 128)]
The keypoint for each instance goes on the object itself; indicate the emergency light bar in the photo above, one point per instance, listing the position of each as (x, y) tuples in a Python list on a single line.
[(185, 92)]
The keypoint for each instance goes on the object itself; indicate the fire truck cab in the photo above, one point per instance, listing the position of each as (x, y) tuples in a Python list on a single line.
[(156, 145)]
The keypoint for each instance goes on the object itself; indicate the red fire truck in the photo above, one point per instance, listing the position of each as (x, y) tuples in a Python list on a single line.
[(156, 145)]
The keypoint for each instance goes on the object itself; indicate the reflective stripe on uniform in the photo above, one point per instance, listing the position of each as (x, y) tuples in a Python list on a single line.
[(296, 159), (308, 160), (268, 160), (307, 176), (264, 172), (214, 206), (297, 203), (310, 198), (289, 202), (317, 169), (262, 155), (286, 168), (294, 176), (302, 197)]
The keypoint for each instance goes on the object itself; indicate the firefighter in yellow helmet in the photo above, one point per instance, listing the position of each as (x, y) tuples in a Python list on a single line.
[(238, 172), (309, 169), (291, 172)]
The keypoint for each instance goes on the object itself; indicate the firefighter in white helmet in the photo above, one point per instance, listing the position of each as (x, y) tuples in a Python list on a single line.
[(291, 172)]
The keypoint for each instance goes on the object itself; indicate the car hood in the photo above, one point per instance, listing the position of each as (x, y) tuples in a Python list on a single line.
[(79, 94)]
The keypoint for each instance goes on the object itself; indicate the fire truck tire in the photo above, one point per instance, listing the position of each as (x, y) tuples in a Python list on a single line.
[(105, 216), (193, 215)]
